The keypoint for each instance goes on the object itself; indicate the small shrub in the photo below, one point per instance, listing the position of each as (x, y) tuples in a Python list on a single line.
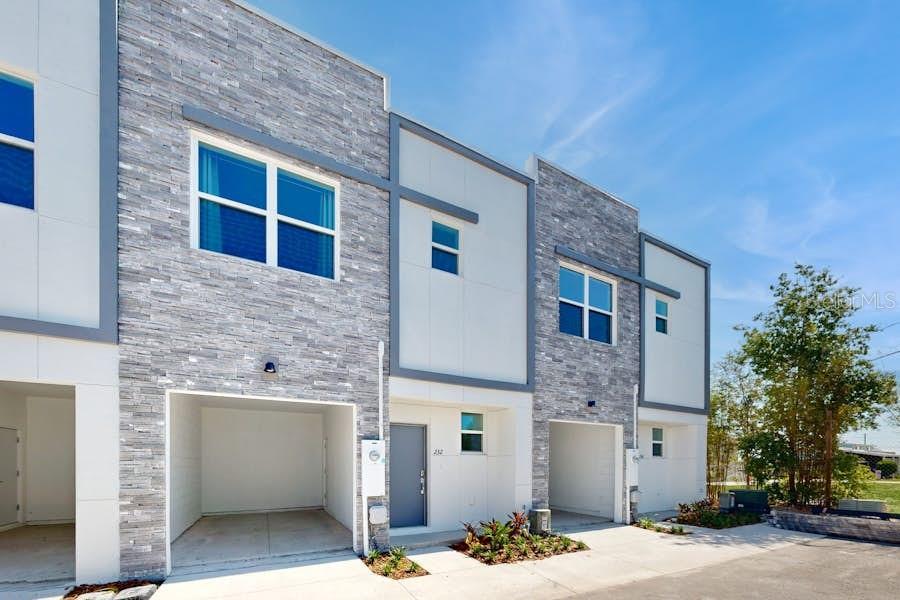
[(888, 468), (394, 563), (497, 542)]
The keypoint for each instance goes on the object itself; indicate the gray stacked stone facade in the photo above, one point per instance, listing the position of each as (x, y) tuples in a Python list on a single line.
[(569, 370), (195, 320)]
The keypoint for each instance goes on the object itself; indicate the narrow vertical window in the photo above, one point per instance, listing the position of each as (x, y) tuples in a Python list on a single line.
[(662, 316), (657, 441), (472, 431), (16, 141), (305, 225), (444, 248)]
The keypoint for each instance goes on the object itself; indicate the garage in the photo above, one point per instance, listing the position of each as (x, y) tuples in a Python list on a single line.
[(254, 479), (584, 487), (37, 483)]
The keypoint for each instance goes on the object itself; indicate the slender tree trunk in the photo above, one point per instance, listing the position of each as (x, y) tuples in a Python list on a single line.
[(829, 454)]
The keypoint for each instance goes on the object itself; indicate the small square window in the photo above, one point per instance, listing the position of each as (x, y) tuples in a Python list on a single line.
[(444, 248), (472, 432), (656, 441)]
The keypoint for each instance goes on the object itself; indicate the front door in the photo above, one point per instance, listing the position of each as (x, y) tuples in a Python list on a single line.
[(9, 482), (407, 475)]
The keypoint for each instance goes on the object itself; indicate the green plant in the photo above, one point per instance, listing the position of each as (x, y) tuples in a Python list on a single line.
[(373, 555), (645, 523), (887, 467), (398, 552)]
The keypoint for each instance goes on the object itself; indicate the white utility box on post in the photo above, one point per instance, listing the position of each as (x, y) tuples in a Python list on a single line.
[(373, 468)]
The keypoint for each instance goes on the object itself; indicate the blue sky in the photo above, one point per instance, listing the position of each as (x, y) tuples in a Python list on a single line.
[(754, 134)]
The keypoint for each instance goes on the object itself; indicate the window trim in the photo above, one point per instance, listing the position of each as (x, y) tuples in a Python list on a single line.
[(471, 431), (659, 316), (24, 144), (443, 220), (586, 307), (661, 443), (273, 165)]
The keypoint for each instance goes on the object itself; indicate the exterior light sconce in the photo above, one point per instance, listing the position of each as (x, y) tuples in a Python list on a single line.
[(592, 403), (270, 369)]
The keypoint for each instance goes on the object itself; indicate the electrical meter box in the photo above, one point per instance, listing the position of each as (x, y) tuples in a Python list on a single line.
[(632, 460), (373, 467)]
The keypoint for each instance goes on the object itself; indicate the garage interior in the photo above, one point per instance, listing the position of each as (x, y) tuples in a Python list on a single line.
[(582, 475), (257, 479), (37, 483)]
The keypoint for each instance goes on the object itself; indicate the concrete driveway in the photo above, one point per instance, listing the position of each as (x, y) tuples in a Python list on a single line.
[(618, 555)]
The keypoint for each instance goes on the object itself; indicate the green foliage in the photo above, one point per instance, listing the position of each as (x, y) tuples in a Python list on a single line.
[(888, 468), (398, 553), (766, 454), (818, 382), (373, 555), (850, 476), (705, 514), (496, 542)]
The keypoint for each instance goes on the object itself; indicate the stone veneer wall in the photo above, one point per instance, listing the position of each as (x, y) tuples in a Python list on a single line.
[(570, 370), (191, 319)]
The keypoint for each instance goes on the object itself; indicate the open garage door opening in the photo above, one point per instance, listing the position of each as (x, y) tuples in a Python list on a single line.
[(585, 474), (256, 479), (37, 484)]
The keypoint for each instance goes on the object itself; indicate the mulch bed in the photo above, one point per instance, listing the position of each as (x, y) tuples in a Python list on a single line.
[(387, 566), (523, 547), (116, 586)]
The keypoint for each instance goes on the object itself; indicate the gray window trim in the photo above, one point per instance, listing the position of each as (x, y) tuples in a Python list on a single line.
[(646, 238), (107, 331), (614, 270)]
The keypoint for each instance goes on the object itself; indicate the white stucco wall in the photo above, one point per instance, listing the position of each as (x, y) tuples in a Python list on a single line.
[(339, 464), (185, 453), (92, 369), (260, 460), (675, 362), (583, 468), (680, 474), (465, 487), (474, 323), (49, 459), (49, 256)]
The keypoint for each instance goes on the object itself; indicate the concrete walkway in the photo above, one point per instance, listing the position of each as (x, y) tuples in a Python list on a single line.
[(618, 555)]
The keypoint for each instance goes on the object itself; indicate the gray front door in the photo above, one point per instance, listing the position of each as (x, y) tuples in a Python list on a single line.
[(407, 475), (9, 481)]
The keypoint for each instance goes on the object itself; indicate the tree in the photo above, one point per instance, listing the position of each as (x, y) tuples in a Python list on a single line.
[(887, 467), (766, 455), (818, 382)]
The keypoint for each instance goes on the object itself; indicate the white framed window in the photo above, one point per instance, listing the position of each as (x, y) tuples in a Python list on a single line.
[(471, 432), (17, 141), (252, 206), (587, 305), (656, 442), (444, 247), (662, 316)]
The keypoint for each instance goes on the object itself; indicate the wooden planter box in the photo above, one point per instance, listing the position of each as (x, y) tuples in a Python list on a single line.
[(859, 528)]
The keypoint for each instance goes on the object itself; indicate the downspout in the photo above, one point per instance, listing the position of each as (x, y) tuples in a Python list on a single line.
[(634, 439)]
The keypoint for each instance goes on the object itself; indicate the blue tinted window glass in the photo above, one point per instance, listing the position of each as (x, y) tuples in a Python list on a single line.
[(600, 294), (305, 250), (444, 235), (600, 327), (302, 199), (444, 261), (228, 175), (16, 107), (471, 442), (230, 231), (662, 325), (570, 319), (662, 308), (571, 285), (16, 176), (471, 422)]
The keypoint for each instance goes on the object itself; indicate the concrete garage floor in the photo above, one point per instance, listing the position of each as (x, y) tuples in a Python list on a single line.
[(37, 553), (564, 521), (257, 536)]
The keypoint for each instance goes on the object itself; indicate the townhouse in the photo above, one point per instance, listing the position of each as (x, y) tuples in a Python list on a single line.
[(250, 313)]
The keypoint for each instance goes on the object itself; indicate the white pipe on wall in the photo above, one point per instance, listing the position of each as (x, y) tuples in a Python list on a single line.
[(634, 438), (380, 390)]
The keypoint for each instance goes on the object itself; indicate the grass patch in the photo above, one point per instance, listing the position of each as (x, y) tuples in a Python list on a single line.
[(495, 542), (650, 525), (393, 563), (704, 513), (888, 490)]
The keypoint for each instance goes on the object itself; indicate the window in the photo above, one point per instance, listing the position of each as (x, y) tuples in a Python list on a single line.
[(586, 306), (444, 248), (662, 316), (16, 141), (472, 426), (656, 442), (255, 209)]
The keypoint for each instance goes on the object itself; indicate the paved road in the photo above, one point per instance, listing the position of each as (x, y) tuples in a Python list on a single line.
[(821, 569)]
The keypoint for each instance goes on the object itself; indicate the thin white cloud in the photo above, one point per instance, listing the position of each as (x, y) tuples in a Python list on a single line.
[(748, 291)]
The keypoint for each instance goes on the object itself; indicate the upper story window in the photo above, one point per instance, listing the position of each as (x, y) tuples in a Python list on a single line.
[(656, 442), (444, 248), (256, 209), (586, 306), (16, 141), (662, 316), (472, 431)]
